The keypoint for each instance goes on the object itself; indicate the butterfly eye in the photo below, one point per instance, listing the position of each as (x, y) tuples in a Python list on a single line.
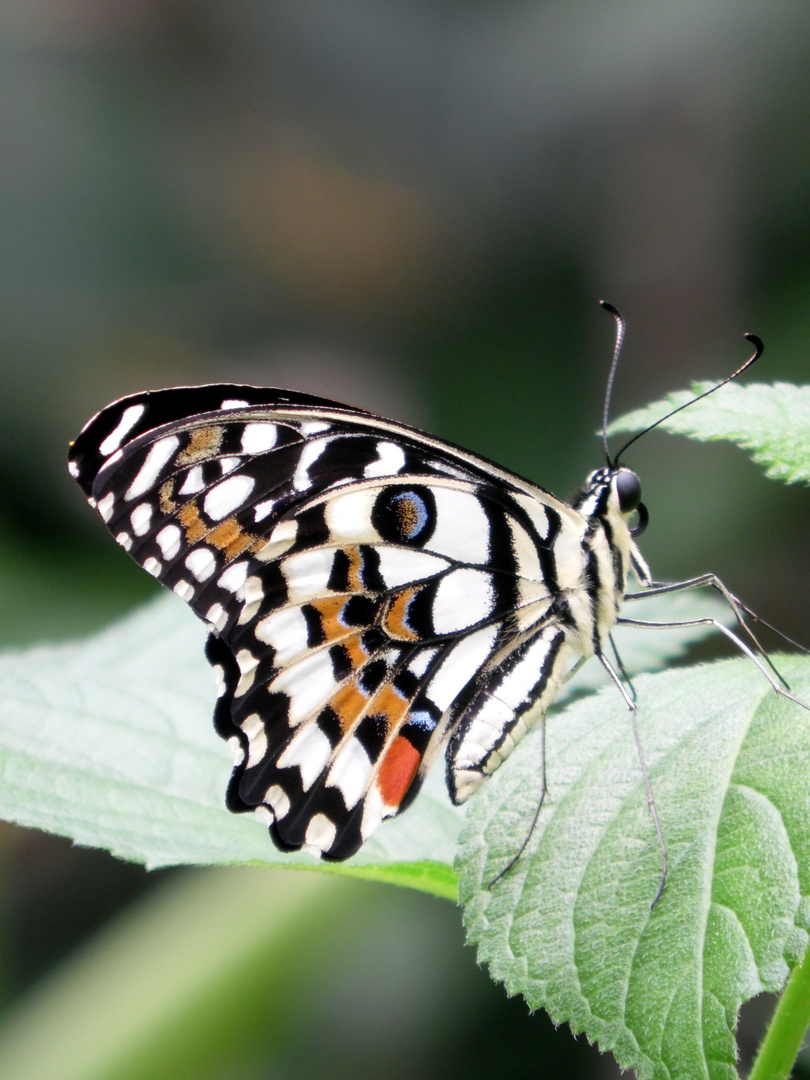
[(628, 490)]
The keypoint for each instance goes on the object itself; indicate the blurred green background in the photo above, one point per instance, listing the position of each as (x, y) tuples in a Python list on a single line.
[(411, 206)]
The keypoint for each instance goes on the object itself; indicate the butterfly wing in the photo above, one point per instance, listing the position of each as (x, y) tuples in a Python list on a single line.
[(370, 590)]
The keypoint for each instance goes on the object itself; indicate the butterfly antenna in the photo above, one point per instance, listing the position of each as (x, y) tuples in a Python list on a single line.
[(759, 348), (617, 348)]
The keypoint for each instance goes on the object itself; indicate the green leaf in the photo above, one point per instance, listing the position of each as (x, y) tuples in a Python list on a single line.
[(771, 422), (570, 926), (109, 741)]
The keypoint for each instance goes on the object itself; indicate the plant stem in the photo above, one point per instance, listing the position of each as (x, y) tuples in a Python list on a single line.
[(783, 1039)]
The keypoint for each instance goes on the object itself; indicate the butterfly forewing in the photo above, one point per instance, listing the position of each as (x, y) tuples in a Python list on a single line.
[(373, 594)]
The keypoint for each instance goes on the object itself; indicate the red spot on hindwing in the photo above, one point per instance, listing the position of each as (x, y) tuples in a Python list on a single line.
[(397, 770)]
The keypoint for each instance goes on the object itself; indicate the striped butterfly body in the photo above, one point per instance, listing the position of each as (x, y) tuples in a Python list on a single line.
[(374, 595)]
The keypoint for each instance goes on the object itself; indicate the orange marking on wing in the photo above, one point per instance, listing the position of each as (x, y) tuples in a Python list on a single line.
[(397, 770), (394, 622), (390, 703), (166, 497), (355, 569), (203, 443), (230, 538), (407, 515), (189, 518), (354, 650), (349, 704), (329, 609)]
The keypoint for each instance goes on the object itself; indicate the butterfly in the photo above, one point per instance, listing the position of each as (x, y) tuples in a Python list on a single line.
[(374, 595)]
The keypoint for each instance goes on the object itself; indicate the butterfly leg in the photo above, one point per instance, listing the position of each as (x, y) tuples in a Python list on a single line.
[(626, 680), (541, 720), (740, 610), (543, 793), (777, 683), (645, 772)]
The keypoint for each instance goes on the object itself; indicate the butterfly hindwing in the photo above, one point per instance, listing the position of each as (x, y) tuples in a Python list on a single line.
[(371, 593)]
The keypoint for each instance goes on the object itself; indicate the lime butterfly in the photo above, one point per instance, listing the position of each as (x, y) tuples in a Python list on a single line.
[(374, 595)]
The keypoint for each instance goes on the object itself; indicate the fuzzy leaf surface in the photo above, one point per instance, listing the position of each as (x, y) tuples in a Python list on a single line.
[(770, 422), (570, 927)]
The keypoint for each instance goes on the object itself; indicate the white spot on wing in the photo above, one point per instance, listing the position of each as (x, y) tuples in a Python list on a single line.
[(234, 403), (202, 563), (462, 527), (73, 469), (390, 459), (129, 418), (310, 750), (159, 454), (111, 460), (193, 482), (125, 540), (227, 495), (463, 598), (528, 561), (141, 518), (185, 590), (216, 616), (308, 684), (252, 596), (461, 665), (259, 437), (307, 574), (233, 578), (309, 455), (105, 506), (262, 509), (449, 470), (374, 810), (321, 833), (349, 516), (350, 773), (276, 797), (313, 427), (169, 541), (285, 631), (152, 566), (228, 464), (247, 663), (281, 539), (219, 679), (253, 727), (421, 661), (399, 565)]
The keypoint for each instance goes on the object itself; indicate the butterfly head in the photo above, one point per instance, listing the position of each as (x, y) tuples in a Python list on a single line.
[(613, 494)]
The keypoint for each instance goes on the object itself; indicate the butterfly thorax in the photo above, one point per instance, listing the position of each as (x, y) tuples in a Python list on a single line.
[(609, 502)]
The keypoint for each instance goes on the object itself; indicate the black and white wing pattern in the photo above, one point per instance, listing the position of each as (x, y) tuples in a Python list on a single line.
[(374, 595)]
